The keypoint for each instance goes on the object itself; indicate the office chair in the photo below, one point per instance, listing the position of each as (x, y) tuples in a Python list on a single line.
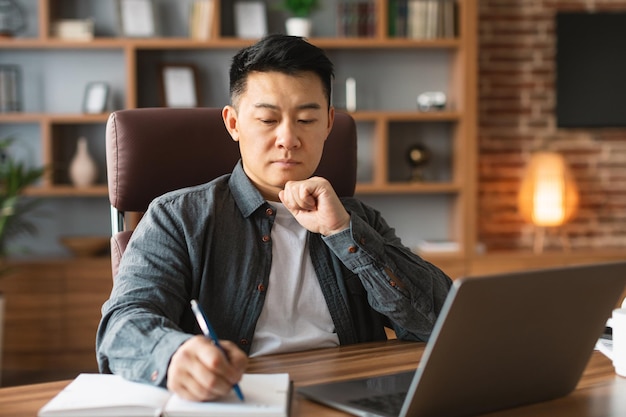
[(151, 151)]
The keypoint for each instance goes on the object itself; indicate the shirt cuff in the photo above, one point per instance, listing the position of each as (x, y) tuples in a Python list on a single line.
[(155, 370), (357, 246)]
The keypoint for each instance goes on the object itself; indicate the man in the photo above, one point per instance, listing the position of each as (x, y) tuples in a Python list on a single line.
[(277, 261)]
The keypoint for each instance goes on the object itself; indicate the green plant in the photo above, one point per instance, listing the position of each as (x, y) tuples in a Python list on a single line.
[(300, 8), (15, 176)]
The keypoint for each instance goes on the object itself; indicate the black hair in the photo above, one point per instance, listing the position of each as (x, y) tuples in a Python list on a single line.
[(282, 53)]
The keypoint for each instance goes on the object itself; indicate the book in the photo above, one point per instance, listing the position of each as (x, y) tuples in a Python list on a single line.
[(437, 246), (426, 19), (201, 19), (105, 395), (356, 19)]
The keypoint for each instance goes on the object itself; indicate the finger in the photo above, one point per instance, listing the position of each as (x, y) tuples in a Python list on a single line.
[(181, 381), (306, 199), (299, 196), (200, 371), (287, 198), (192, 389), (227, 364), (236, 357), (208, 387)]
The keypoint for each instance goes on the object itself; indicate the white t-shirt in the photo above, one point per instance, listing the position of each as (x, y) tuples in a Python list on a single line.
[(295, 315)]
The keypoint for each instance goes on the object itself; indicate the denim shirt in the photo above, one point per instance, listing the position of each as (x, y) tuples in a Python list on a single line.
[(212, 242)]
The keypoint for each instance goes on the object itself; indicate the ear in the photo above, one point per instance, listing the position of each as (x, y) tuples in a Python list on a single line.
[(331, 120), (229, 114)]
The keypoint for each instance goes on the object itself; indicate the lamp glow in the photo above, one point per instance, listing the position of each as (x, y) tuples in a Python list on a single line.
[(548, 195)]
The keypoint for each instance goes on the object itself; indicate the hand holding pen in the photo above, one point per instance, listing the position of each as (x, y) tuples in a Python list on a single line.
[(199, 371), (210, 333)]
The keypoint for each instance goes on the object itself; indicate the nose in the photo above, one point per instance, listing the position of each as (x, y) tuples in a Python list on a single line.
[(287, 136)]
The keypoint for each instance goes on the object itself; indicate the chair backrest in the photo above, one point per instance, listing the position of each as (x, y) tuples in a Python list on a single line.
[(152, 151)]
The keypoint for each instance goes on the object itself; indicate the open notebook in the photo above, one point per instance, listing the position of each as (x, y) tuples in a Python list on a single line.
[(500, 341), (99, 395)]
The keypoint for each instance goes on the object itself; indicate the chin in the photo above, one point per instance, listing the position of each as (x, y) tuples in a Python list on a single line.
[(293, 175)]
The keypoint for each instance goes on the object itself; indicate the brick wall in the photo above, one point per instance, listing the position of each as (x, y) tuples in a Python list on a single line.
[(516, 99)]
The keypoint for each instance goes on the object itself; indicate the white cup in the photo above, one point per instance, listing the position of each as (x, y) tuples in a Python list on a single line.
[(617, 353)]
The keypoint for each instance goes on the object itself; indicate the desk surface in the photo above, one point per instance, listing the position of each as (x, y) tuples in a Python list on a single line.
[(599, 393)]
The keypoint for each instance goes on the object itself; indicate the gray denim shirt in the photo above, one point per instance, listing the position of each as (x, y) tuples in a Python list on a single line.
[(212, 243)]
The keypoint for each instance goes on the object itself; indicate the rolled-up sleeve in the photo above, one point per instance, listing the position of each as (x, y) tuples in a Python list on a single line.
[(140, 326), (402, 286)]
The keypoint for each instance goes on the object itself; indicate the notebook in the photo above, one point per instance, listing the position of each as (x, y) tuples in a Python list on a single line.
[(500, 341), (104, 395)]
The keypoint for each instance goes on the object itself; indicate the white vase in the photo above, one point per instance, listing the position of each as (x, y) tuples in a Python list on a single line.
[(298, 26), (83, 169)]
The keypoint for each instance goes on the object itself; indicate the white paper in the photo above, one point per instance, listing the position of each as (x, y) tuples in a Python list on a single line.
[(265, 395), (101, 395), (105, 395)]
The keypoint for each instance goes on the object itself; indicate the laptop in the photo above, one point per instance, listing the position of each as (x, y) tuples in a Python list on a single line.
[(500, 341)]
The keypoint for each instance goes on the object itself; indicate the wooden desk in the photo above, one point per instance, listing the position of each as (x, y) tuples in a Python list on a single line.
[(599, 393)]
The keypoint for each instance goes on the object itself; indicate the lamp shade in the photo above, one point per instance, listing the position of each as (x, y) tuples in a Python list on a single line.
[(548, 194)]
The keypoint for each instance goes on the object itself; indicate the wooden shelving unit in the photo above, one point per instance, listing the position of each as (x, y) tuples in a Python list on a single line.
[(457, 121)]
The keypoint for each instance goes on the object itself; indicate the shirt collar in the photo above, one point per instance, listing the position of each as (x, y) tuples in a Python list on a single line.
[(246, 195)]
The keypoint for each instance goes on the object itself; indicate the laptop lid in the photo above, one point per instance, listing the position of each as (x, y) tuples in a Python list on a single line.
[(500, 341)]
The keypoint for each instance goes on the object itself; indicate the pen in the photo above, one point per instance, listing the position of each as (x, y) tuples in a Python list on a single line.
[(209, 333)]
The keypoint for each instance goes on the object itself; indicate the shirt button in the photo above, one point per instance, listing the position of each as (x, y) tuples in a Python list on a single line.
[(352, 249), (265, 238), (362, 241), (269, 211), (243, 342), (154, 375), (392, 283), (261, 288)]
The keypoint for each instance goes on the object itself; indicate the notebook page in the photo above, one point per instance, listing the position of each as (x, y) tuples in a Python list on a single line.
[(266, 395), (105, 395)]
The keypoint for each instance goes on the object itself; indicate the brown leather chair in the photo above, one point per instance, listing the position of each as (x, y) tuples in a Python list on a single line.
[(151, 151)]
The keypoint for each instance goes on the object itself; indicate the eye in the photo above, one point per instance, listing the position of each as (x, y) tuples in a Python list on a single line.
[(306, 121), (267, 121)]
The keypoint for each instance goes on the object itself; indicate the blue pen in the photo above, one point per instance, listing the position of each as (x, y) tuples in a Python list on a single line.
[(208, 331)]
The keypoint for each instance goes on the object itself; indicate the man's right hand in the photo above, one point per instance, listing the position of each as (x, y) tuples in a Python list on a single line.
[(199, 371)]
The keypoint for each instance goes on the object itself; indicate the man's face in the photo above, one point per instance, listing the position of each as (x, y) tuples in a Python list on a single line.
[(281, 124)]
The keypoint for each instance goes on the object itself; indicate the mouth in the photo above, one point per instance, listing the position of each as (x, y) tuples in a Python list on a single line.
[(287, 163)]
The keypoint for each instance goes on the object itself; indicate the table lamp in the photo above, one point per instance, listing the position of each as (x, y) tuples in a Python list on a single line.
[(548, 195)]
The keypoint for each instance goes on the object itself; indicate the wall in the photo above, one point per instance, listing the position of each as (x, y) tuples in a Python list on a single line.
[(517, 115)]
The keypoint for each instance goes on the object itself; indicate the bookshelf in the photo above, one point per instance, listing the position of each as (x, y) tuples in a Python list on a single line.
[(390, 71)]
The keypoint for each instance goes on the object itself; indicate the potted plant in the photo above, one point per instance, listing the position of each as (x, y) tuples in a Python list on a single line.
[(299, 24), (15, 176)]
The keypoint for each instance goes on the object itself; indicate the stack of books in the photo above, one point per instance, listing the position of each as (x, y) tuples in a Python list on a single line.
[(201, 18), (434, 246), (356, 18), (422, 19)]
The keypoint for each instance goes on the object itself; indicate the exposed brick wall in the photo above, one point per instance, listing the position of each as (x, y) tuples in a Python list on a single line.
[(516, 99)]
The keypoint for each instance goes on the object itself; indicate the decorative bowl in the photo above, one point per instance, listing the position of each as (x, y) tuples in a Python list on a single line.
[(86, 246)]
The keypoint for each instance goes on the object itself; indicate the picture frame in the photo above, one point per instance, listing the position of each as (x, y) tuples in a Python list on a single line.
[(137, 18), (96, 97), (250, 19), (179, 85)]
